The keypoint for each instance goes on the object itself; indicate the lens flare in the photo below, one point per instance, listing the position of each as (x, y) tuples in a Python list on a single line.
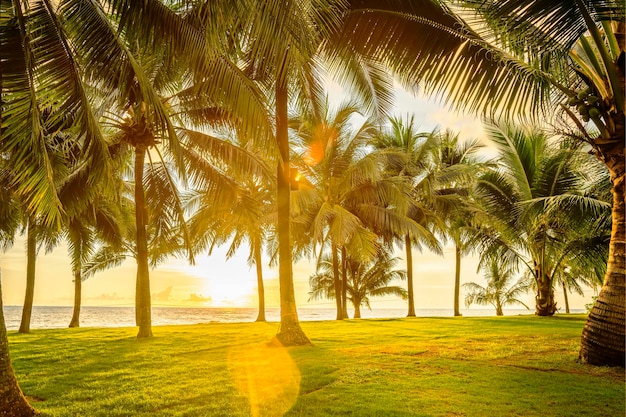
[(267, 376)]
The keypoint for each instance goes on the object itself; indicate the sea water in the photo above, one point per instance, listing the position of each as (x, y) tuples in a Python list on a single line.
[(44, 317)]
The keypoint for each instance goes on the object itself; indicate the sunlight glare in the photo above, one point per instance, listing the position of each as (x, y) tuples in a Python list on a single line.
[(267, 376)]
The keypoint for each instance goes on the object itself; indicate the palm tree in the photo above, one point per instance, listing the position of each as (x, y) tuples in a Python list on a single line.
[(457, 168), (532, 199), (350, 201), (517, 60), (500, 290), (338, 168), (363, 280), (408, 155), (100, 220), (246, 218)]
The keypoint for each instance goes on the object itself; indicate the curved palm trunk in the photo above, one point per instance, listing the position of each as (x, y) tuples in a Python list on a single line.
[(290, 333), (337, 282), (78, 283), (143, 315), (12, 401), (409, 275), (457, 280), (259, 278), (31, 255), (344, 282), (602, 340)]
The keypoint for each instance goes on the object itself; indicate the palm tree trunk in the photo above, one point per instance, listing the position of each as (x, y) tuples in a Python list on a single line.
[(337, 282), (290, 333), (409, 274), (12, 400), (603, 336), (143, 306), (357, 310), (259, 277), (565, 296), (31, 256), (457, 280), (499, 308), (344, 282), (544, 300), (78, 283)]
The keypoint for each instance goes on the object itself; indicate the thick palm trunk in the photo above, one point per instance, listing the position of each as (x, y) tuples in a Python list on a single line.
[(603, 335), (544, 300), (12, 401), (357, 310), (457, 280), (143, 306), (409, 275), (31, 259), (499, 308), (78, 283), (290, 333), (259, 278), (344, 282), (337, 282)]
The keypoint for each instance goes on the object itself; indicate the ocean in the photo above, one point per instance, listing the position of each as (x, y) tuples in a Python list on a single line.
[(58, 317)]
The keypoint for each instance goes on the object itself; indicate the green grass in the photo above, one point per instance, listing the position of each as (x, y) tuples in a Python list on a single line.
[(497, 366)]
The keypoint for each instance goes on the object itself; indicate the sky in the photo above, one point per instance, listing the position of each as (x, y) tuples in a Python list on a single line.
[(216, 282)]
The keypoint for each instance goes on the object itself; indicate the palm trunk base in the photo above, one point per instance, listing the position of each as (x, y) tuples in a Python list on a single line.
[(602, 342), (16, 406), (260, 317), (144, 332), (74, 322), (291, 334), (545, 304)]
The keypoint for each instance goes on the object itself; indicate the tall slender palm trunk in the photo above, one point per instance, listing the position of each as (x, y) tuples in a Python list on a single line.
[(603, 336), (457, 279), (409, 274), (143, 314), (565, 296), (344, 282), (337, 282), (12, 400), (290, 333), (31, 259), (78, 283), (259, 278)]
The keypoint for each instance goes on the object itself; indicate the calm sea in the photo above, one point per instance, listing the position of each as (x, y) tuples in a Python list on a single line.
[(57, 317)]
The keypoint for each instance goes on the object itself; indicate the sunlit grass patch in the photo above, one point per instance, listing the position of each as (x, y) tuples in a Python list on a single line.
[(511, 366)]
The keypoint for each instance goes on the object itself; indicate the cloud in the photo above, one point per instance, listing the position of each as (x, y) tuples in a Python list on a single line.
[(163, 295), (198, 298), (106, 297)]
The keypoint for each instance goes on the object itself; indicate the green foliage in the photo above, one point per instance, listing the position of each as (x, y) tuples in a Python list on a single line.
[(516, 365)]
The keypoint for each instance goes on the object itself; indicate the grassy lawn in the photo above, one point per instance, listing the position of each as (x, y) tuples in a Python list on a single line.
[(491, 366)]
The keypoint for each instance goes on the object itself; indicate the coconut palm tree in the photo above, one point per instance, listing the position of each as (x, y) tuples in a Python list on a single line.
[(363, 280), (337, 167), (350, 201), (501, 290), (246, 218), (457, 167), (538, 207), (408, 155)]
